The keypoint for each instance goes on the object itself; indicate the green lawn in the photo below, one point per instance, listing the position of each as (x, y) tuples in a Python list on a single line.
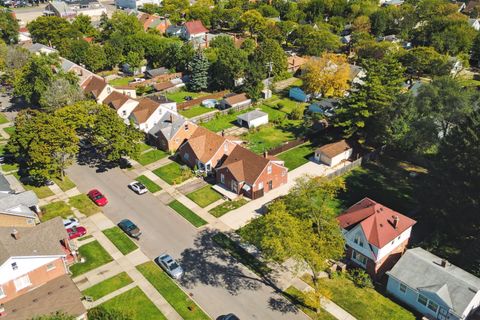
[(244, 257), (66, 184), (121, 81), (298, 298), (187, 213), (83, 203), (9, 130), (222, 122), (185, 306), (3, 119), (94, 255), (8, 167), (267, 137), (204, 196), (41, 191), (179, 96), (287, 104), (105, 287), (362, 303), (151, 186), (295, 157), (173, 173), (55, 209), (135, 304), (195, 111), (143, 147), (120, 240), (227, 206), (151, 156)]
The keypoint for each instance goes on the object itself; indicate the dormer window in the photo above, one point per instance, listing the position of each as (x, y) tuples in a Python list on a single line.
[(109, 90), (358, 240), (14, 266), (269, 169)]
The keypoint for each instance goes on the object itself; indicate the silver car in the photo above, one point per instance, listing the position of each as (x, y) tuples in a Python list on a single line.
[(138, 187), (167, 263)]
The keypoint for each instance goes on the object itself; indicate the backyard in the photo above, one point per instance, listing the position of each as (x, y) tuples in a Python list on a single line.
[(83, 203), (105, 287), (179, 96), (204, 196), (188, 214), (94, 255), (55, 209), (195, 111), (173, 173), (121, 81), (123, 243), (297, 156)]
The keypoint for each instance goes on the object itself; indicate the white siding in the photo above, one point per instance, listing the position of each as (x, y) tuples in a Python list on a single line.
[(157, 115), (128, 108), (391, 246), (106, 91), (258, 122), (475, 303), (24, 264)]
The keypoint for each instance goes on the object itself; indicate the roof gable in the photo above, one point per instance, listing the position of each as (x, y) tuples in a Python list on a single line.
[(245, 165), (195, 27), (205, 143), (115, 100), (144, 110), (94, 85)]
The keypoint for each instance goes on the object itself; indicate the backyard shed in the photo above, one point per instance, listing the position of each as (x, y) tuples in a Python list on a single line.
[(252, 119), (298, 94), (333, 153), (236, 100)]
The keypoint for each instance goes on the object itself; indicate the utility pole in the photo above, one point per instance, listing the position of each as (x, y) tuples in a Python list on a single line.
[(268, 92)]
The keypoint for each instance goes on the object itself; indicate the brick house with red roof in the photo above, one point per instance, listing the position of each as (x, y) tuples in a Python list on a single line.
[(193, 29), (375, 236)]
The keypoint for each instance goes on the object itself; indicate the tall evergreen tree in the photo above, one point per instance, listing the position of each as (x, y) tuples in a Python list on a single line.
[(198, 68)]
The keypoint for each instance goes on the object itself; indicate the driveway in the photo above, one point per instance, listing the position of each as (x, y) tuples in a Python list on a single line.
[(217, 282)]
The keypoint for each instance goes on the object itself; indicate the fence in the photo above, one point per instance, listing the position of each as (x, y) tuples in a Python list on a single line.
[(287, 146), (193, 102), (216, 113), (356, 163)]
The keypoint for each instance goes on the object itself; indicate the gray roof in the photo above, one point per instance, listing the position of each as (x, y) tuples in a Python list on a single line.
[(252, 115), (326, 103), (422, 270), (37, 47), (41, 240), (4, 184), (169, 125), (18, 203), (157, 72), (67, 64)]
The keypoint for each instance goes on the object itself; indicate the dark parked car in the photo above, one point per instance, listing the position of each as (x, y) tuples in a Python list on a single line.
[(188, 98), (130, 228), (229, 316)]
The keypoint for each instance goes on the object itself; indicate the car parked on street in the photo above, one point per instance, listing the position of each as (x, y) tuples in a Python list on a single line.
[(97, 197), (229, 316), (170, 266), (130, 228), (138, 187), (76, 232), (70, 222)]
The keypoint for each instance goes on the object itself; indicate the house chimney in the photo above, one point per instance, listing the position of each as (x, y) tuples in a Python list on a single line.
[(396, 219), (265, 153), (223, 133), (444, 263), (15, 234), (171, 118)]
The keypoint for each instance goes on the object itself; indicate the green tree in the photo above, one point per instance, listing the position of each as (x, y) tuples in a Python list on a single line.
[(228, 63), (422, 61), (380, 21), (270, 51), (253, 85), (314, 42), (8, 27), (175, 9), (476, 49), (253, 22), (95, 59), (83, 24), (60, 92), (52, 30), (198, 72), (114, 54), (125, 24)]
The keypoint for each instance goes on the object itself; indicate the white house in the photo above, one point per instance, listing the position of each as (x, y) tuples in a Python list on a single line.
[(123, 104), (375, 236), (333, 153), (252, 119), (100, 89), (193, 29), (433, 286), (149, 112), (474, 23)]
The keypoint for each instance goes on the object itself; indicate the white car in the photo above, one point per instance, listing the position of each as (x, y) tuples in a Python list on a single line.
[(70, 223), (167, 263), (138, 187)]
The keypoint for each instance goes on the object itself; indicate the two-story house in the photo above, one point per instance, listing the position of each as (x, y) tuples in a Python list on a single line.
[(19, 209), (149, 112), (123, 104), (171, 131), (99, 89), (31, 260), (375, 236), (433, 286), (193, 29)]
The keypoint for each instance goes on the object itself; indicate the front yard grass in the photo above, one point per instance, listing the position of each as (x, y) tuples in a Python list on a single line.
[(151, 156), (55, 209), (83, 203), (143, 147), (95, 256), (362, 303), (110, 285), (297, 156), (173, 173), (297, 297), (123, 243), (195, 111), (135, 304), (187, 213), (3, 119), (66, 184), (204, 196), (151, 186), (227, 206), (40, 191), (180, 301)]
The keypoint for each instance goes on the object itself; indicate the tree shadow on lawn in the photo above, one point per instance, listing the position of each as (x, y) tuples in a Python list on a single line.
[(209, 264)]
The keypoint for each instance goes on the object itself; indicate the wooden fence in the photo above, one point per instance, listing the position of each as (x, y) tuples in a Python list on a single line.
[(187, 104), (216, 113), (287, 146)]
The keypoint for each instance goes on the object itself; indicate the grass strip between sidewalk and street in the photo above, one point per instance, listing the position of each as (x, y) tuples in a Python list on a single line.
[(66, 184), (83, 203), (151, 186), (108, 286), (178, 299), (187, 213), (123, 243), (95, 256), (256, 266)]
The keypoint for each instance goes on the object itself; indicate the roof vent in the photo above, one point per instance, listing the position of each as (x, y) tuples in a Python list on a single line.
[(396, 220), (444, 263), (15, 234)]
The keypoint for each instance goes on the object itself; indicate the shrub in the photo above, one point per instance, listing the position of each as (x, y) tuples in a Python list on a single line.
[(360, 278), (280, 106), (296, 113), (231, 111)]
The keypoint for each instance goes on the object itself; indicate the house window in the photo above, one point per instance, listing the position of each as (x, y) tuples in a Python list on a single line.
[(260, 186), (269, 169), (109, 90), (124, 113), (14, 266), (50, 266), (422, 300), (186, 127), (359, 258), (358, 240), (22, 282), (186, 156), (222, 178), (234, 186), (2, 292), (129, 93), (403, 288), (225, 147), (432, 306)]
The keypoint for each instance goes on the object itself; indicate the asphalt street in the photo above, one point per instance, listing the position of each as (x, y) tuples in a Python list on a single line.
[(216, 281)]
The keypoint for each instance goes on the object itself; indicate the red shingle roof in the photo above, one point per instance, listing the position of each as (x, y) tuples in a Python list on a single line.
[(195, 27), (376, 220)]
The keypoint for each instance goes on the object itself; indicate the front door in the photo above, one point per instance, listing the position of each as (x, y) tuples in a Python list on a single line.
[(270, 185)]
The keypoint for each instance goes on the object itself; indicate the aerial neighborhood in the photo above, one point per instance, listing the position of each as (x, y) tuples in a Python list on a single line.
[(234, 160)]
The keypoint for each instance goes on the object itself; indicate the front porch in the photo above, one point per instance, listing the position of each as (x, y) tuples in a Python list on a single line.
[(220, 188)]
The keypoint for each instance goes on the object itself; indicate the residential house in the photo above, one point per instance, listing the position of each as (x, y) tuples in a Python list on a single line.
[(294, 63), (474, 23), (123, 104), (59, 9), (325, 106), (205, 150), (433, 286), (333, 153), (99, 89), (38, 48), (5, 185), (298, 94), (471, 6), (152, 73), (174, 31), (247, 173), (82, 73), (235, 100), (71, 9), (171, 131), (394, 3), (252, 119), (193, 29), (160, 24), (149, 112), (375, 236), (19, 209), (356, 75), (135, 4)]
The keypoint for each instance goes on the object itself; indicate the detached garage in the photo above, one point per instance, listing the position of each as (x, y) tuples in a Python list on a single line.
[(252, 119), (333, 153)]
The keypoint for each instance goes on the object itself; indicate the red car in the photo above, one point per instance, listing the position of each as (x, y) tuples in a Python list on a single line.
[(97, 197), (76, 232)]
